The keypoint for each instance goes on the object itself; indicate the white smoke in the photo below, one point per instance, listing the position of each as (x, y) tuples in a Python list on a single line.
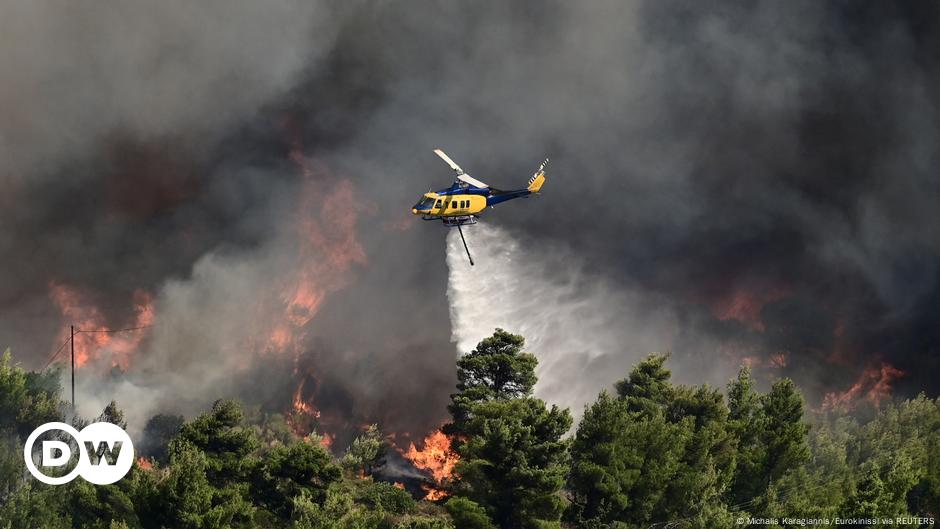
[(585, 330)]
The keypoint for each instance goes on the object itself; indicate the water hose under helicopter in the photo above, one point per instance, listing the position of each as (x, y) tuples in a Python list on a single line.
[(465, 247)]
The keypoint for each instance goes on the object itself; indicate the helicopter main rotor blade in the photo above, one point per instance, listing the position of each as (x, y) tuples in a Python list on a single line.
[(461, 174), (448, 161)]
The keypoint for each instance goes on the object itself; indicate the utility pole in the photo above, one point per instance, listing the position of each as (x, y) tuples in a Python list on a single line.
[(73, 368)]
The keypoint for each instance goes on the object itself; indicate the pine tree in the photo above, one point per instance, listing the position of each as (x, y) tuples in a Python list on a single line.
[(746, 422), (496, 369), (657, 453), (113, 415), (784, 432), (367, 452), (647, 388), (226, 443), (288, 471), (514, 461)]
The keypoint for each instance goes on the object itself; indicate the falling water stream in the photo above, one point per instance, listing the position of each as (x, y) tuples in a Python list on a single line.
[(585, 330)]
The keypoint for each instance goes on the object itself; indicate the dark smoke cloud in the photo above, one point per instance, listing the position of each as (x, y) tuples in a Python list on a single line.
[(780, 153)]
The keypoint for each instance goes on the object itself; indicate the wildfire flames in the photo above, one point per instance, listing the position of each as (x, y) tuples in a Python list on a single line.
[(144, 463), (323, 250), (303, 417), (437, 458), (324, 235), (301, 407), (327, 248), (94, 337), (323, 262), (874, 385), (745, 306), (433, 494)]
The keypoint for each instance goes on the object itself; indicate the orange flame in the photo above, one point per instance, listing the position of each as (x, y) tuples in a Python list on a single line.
[(325, 238), (302, 407), (93, 335), (302, 414), (433, 494), (437, 458), (399, 485), (324, 234), (144, 463), (873, 385)]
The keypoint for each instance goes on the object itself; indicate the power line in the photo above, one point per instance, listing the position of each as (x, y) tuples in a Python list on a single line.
[(115, 330), (55, 354), (71, 340), (79, 331)]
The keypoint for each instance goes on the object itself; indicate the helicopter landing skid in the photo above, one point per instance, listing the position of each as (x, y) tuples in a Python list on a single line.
[(465, 220)]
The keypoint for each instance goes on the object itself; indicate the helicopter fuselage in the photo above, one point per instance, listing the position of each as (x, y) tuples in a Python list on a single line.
[(457, 201)]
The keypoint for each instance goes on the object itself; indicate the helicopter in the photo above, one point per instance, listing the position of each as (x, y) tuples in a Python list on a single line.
[(462, 202)]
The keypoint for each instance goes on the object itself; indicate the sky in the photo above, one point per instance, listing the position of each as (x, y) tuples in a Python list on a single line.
[(730, 183)]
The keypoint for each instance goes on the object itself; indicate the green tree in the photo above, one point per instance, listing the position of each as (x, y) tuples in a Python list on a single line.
[(185, 499), (34, 506), (771, 438), (466, 514), (869, 498), (707, 462), (97, 506), (226, 443), (338, 511), (746, 422), (784, 432), (605, 467), (387, 497), (496, 369), (288, 471), (514, 461), (820, 487), (157, 434), (113, 415), (423, 522), (658, 452), (647, 388), (27, 400), (899, 446), (366, 453)]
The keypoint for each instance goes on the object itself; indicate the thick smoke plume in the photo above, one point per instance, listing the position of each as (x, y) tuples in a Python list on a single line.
[(743, 183)]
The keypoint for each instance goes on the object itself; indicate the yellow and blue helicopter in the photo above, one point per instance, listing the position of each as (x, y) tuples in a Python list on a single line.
[(462, 202)]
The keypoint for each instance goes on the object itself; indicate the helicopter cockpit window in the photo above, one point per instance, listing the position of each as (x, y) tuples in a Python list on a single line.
[(438, 204), (425, 203)]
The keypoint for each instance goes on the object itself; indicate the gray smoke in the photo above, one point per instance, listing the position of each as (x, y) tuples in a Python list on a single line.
[(728, 182)]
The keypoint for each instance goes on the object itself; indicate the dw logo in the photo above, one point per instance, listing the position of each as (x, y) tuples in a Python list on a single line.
[(105, 453)]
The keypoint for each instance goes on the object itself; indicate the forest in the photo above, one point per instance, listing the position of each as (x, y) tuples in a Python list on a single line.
[(646, 453)]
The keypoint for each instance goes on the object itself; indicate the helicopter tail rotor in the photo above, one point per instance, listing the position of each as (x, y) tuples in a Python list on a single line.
[(538, 179)]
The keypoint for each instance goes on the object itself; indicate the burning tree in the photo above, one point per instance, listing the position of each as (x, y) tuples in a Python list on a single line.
[(438, 458)]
